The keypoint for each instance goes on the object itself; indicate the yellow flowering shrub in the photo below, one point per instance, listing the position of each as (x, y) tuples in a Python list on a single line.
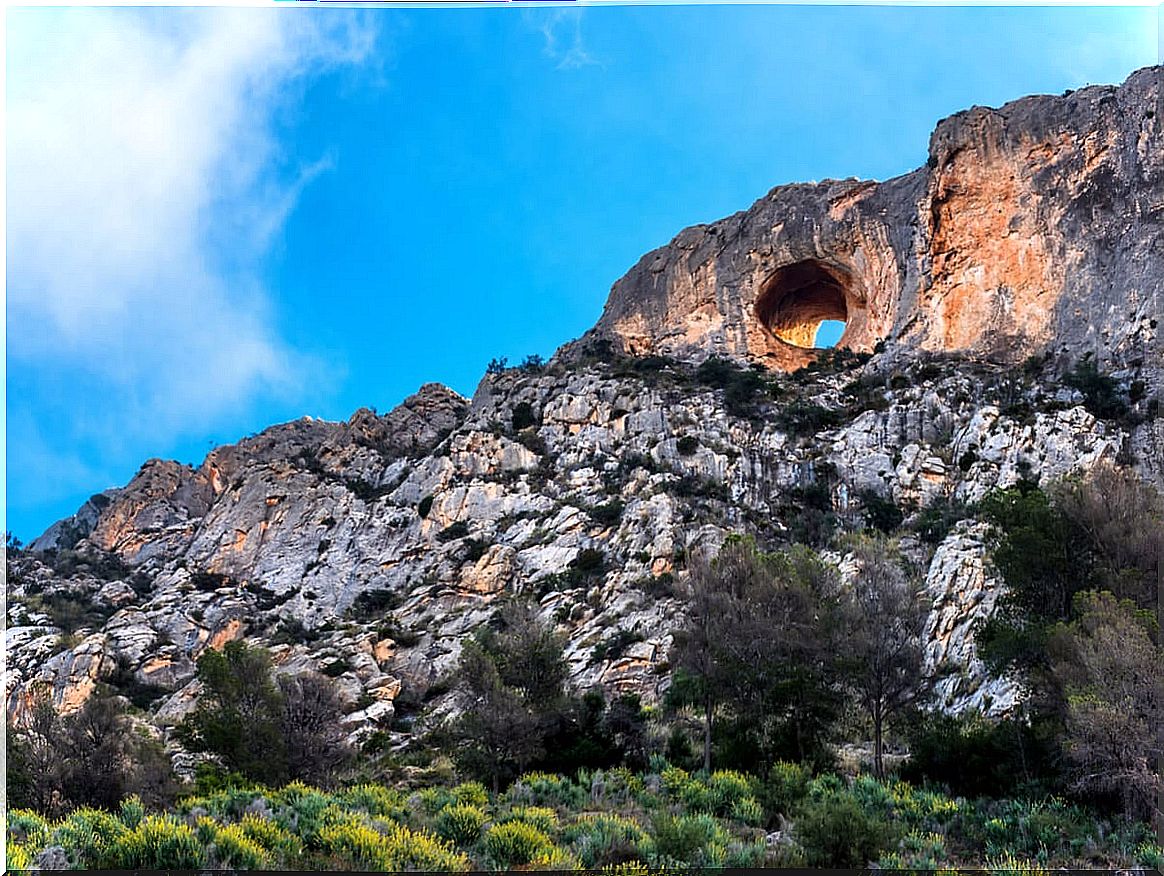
[(541, 817), (159, 842), (515, 844), (461, 823)]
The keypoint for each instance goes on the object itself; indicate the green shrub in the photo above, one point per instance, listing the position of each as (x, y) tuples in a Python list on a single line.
[(280, 844), (1012, 866), (471, 794), (515, 843), (541, 817), (695, 840), (728, 787), (229, 847), (555, 859), (27, 828), (453, 531), (835, 831), (607, 840), (461, 823), (433, 800), (687, 445), (376, 800), (934, 522), (424, 506), (784, 787), (399, 848), (880, 512), (18, 857), (1100, 391), (609, 513), (748, 810), (545, 789), (974, 757)]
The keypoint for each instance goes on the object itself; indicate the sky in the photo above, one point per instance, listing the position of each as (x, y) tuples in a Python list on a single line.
[(222, 219)]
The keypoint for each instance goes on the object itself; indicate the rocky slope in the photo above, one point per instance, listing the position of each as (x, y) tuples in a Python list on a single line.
[(369, 549)]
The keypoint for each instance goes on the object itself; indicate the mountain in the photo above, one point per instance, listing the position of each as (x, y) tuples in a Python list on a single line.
[(1001, 305)]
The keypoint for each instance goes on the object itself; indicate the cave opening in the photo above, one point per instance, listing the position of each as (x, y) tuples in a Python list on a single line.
[(806, 304)]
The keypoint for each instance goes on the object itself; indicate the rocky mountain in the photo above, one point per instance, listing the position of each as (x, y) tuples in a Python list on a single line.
[(697, 407)]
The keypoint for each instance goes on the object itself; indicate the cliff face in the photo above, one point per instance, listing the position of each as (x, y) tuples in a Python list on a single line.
[(1035, 227), (371, 548)]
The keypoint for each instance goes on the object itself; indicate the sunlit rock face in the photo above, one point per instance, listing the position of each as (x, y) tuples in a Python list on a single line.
[(371, 548), (1034, 227)]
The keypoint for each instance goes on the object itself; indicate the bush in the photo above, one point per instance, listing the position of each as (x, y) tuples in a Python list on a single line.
[(1100, 391), (229, 847), (934, 522), (453, 531), (159, 842), (880, 512), (687, 445), (541, 817), (835, 832), (424, 506), (607, 840), (973, 757), (545, 789), (783, 788), (397, 849), (87, 835), (377, 800), (689, 840), (515, 844), (470, 794), (806, 418), (614, 646), (461, 823), (608, 513)]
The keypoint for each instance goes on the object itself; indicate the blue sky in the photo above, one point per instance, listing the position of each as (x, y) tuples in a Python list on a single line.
[(223, 219)]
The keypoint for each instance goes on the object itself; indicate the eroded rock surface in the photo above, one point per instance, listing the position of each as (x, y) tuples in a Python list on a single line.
[(1034, 227)]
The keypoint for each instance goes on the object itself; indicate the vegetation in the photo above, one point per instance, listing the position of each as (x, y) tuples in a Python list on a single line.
[(757, 655), (266, 729), (883, 647), (91, 757), (610, 818), (516, 713)]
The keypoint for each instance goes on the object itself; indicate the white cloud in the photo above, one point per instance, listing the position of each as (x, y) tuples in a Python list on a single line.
[(569, 53), (145, 183)]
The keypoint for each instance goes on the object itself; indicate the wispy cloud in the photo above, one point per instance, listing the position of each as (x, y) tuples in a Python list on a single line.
[(562, 31), (146, 182)]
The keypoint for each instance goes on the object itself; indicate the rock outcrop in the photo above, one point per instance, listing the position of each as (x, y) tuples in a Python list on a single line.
[(1035, 227), (371, 548)]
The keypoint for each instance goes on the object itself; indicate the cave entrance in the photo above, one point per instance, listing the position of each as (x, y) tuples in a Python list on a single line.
[(806, 304)]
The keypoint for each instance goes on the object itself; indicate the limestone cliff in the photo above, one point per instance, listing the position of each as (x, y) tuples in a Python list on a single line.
[(371, 548), (1035, 227)]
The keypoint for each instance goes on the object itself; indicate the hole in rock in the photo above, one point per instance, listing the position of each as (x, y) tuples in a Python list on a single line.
[(806, 304), (828, 333)]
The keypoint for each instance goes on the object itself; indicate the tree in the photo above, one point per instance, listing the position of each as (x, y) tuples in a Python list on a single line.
[(269, 731), (755, 653), (94, 756), (497, 734), (1108, 664), (309, 723), (1122, 518), (510, 678), (883, 653)]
